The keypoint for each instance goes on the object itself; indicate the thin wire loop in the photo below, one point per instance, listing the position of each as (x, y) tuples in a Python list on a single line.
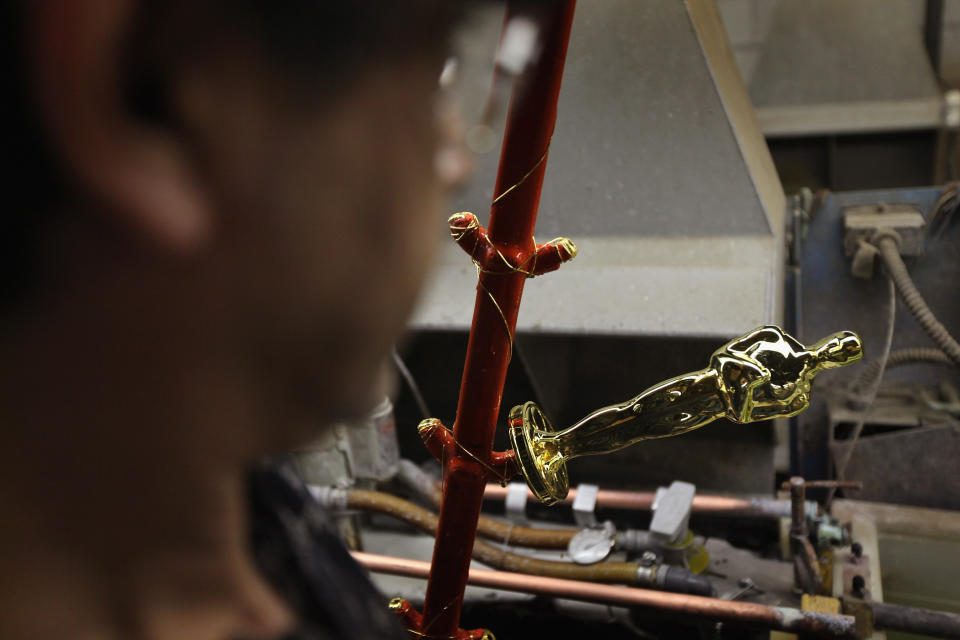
[(421, 634), (503, 316), (493, 472), (527, 174), (511, 268), (427, 626), (871, 395)]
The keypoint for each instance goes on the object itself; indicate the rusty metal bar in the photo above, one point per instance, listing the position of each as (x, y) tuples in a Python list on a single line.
[(806, 566), (509, 239), (742, 613)]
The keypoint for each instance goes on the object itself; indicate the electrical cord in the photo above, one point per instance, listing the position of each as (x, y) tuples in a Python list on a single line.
[(899, 275), (944, 209), (900, 281), (412, 385), (871, 395), (531, 377)]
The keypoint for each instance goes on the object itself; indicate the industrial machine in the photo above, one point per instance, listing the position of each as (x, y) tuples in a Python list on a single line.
[(524, 509)]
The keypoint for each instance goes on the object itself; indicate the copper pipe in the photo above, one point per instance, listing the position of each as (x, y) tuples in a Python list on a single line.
[(806, 566), (643, 500), (828, 484), (744, 613), (616, 572)]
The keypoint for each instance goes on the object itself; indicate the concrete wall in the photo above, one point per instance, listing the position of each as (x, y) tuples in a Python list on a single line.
[(748, 25), (950, 60)]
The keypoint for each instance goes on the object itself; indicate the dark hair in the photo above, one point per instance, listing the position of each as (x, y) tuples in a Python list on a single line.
[(322, 41), (33, 177)]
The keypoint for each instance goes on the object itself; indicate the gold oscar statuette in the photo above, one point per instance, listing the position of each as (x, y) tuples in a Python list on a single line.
[(762, 375)]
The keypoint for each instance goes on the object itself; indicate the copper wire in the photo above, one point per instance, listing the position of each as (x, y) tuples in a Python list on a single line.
[(503, 478), (527, 174)]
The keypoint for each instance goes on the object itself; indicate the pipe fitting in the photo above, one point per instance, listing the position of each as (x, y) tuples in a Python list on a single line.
[(332, 498), (883, 233)]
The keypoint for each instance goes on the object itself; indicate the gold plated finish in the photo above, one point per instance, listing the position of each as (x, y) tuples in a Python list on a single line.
[(762, 375)]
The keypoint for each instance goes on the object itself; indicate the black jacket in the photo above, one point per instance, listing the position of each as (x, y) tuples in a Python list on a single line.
[(298, 550)]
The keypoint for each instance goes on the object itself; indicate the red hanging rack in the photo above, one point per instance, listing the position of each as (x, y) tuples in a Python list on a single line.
[(506, 256)]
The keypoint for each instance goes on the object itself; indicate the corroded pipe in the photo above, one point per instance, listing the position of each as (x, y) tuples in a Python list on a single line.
[(939, 624)]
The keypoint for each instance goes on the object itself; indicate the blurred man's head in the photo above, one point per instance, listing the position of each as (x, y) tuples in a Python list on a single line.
[(219, 216), (257, 178)]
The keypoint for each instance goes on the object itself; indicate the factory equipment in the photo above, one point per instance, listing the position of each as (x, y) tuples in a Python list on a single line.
[(703, 564)]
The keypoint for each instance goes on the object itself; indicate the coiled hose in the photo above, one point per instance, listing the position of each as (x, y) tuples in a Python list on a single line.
[(911, 355), (890, 253), (612, 572)]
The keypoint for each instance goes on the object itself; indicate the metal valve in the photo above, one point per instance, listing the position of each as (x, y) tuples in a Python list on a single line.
[(762, 375)]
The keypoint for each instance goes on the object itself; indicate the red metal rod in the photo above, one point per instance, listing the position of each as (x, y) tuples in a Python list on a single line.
[(744, 613), (513, 216)]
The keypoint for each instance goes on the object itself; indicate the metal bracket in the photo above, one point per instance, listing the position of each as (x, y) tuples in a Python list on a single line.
[(951, 109), (516, 502), (671, 512), (585, 504), (863, 222)]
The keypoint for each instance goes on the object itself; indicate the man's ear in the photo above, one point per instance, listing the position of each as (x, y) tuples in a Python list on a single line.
[(139, 174)]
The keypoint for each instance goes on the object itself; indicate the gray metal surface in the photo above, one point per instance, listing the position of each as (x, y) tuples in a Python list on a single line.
[(913, 466), (658, 171), (842, 67), (918, 547), (715, 286), (846, 565), (328, 460), (671, 512), (373, 444), (834, 299), (643, 143), (720, 457)]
